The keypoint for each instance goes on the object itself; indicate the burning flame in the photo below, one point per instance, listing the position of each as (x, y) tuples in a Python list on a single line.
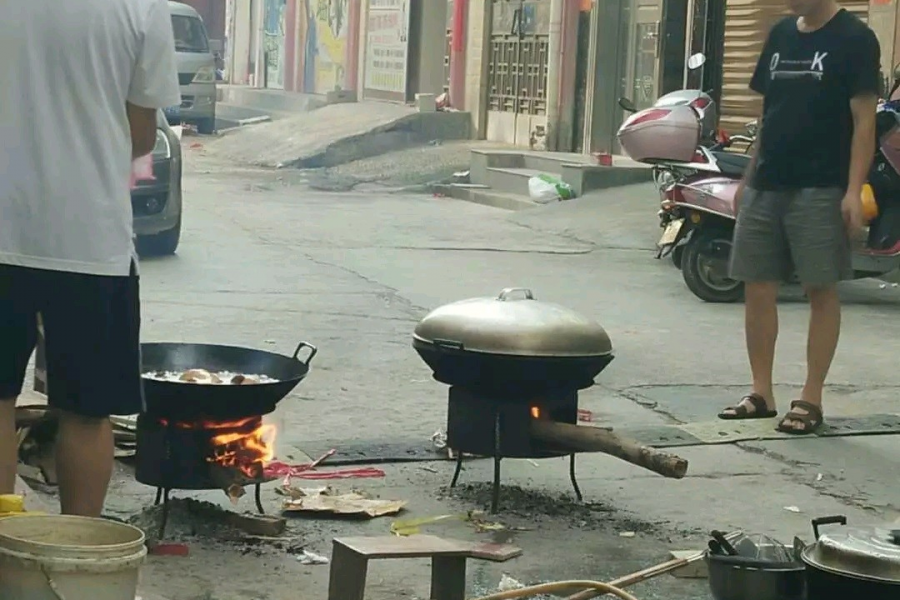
[(245, 445), (245, 449), (535, 412)]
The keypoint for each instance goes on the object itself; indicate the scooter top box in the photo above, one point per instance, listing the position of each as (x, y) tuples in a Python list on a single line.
[(661, 134)]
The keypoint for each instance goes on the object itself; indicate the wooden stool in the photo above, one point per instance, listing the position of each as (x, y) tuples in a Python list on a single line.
[(350, 561)]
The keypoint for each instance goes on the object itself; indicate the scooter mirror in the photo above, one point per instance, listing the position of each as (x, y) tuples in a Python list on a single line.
[(627, 105), (696, 61)]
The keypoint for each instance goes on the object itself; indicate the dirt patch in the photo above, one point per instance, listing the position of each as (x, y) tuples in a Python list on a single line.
[(529, 508), (190, 520)]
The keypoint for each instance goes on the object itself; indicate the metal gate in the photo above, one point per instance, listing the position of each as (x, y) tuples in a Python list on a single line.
[(517, 70)]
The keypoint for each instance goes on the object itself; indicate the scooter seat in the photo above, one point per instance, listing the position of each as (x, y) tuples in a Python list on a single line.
[(732, 164)]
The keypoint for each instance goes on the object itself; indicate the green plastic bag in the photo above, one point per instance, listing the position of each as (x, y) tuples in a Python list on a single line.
[(547, 188)]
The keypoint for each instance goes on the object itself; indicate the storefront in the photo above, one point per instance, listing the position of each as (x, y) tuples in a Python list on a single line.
[(517, 70), (640, 61), (386, 65)]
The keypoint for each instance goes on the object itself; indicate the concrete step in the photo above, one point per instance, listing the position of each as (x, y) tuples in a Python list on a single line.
[(509, 170), (513, 181), (487, 197), (552, 163)]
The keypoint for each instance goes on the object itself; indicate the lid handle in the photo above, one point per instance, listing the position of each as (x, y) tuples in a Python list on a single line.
[(895, 536), (816, 523), (505, 294)]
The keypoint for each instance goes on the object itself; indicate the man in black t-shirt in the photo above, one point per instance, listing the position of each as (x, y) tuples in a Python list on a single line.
[(800, 199)]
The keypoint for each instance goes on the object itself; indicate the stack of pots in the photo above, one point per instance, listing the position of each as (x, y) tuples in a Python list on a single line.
[(512, 342), (843, 564), (853, 562)]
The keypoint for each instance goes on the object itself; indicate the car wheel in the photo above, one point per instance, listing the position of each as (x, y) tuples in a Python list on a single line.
[(161, 244), (206, 126)]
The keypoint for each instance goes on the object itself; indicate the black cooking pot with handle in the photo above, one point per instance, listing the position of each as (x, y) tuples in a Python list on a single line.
[(852, 562)]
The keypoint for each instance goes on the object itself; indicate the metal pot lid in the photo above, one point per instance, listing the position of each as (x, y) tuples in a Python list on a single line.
[(871, 553), (514, 324)]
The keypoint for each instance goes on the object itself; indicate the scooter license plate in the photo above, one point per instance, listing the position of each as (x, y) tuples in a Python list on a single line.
[(671, 233)]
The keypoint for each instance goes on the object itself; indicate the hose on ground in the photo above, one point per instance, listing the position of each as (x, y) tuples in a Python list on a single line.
[(549, 588)]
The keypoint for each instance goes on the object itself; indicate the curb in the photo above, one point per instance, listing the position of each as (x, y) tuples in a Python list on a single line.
[(485, 197)]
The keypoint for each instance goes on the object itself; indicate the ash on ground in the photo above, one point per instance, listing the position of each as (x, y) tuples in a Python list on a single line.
[(522, 507), (191, 519)]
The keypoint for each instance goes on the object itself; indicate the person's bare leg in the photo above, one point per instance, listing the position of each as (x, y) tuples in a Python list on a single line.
[(824, 331), (761, 333), (84, 463), (9, 454)]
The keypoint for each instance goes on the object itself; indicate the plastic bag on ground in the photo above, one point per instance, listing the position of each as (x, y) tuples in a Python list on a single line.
[(546, 188)]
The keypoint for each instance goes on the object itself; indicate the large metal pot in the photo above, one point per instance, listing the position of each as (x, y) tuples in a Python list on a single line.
[(740, 578), (512, 343), (853, 562)]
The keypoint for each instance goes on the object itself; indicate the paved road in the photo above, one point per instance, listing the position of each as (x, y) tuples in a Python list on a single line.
[(267, 263)]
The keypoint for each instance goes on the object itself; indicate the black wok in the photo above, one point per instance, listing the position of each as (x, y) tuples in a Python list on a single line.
[(506, 373), (190, 402)]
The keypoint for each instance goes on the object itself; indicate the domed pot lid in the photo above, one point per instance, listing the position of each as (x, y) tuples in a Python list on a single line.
[(869, 553), (513, 324)]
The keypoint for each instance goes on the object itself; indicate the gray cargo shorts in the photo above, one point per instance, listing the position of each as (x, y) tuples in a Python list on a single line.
[(779, 233)]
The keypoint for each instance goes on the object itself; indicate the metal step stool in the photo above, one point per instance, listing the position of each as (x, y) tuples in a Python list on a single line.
[(350, 561)]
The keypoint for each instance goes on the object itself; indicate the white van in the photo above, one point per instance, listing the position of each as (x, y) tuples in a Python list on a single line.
[(196, 70)]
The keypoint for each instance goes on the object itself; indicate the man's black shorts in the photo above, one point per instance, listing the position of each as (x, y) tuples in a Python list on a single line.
[(92, 336)]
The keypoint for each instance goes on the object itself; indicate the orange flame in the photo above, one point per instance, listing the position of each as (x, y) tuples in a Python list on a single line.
[(246, 445), (535, 412), (243, 450)]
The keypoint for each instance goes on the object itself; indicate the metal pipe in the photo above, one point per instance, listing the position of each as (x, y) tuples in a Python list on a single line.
[(351, 53), (554, 71), (458, 54), (591, 84), (688, 39), (259, 70)]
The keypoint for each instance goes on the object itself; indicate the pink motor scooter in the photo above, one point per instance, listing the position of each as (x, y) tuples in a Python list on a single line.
[(697, 207)]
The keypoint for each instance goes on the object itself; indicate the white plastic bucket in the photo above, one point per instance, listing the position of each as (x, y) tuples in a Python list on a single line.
[(54, 557)]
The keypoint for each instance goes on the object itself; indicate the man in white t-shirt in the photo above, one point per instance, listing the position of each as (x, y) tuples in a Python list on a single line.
[(81, 83)]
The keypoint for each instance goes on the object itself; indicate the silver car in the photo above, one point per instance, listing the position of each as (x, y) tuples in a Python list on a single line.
[(156, 203), (196, 70)]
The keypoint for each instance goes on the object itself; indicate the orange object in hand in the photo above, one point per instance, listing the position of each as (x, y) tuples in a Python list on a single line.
[(869, 206)]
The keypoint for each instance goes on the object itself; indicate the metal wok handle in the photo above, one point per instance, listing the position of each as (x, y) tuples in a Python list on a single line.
[(816, 523), (312, 352), (505, 294)]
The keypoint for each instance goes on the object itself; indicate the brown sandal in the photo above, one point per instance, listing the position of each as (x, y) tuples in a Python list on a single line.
[(810, 421), (740, 411)]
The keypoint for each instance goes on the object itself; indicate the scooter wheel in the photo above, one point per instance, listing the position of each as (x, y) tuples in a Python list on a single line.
[(704, 268), (677, 256)]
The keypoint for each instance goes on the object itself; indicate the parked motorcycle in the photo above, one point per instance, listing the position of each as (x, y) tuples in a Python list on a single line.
[(689, 159), (698, 208)]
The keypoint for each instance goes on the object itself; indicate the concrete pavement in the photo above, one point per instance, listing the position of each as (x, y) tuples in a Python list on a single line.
[(266, 263)]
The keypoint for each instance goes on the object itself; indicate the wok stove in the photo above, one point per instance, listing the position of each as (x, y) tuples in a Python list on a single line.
[(515, 366), (489, 423), (210, 437), (202, 455)]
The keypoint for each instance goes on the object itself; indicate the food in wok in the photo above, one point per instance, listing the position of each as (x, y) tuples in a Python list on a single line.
[(204, 377)]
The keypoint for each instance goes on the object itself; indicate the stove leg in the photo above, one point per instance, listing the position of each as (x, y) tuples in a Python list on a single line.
[(159, 495), (495, 491), (258, 498), (574, 479), (165, 513), (459, 461)]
